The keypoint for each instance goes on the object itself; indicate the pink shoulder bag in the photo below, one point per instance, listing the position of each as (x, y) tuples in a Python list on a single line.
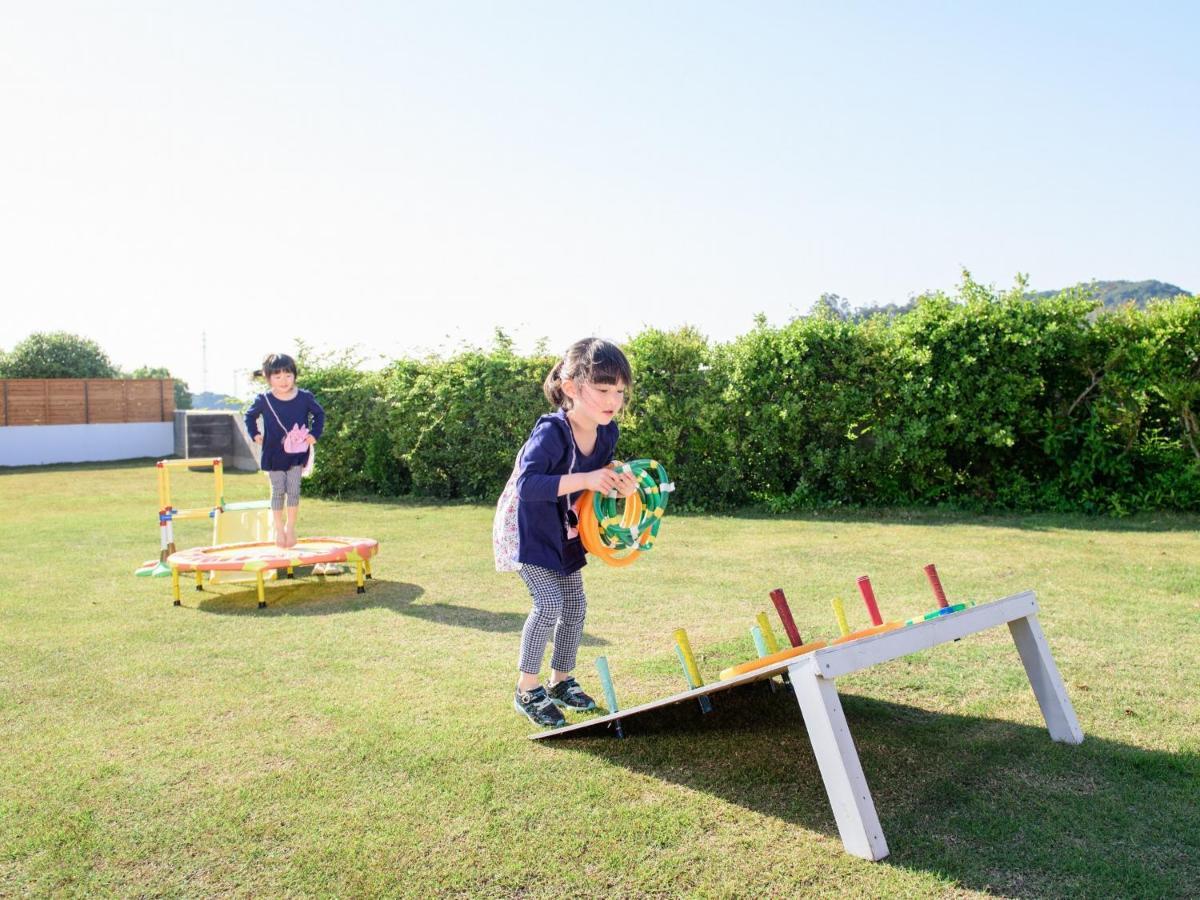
[(296, 440)]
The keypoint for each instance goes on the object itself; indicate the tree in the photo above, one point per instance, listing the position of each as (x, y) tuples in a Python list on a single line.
[(832, 306), (183, 397), (56, 354)]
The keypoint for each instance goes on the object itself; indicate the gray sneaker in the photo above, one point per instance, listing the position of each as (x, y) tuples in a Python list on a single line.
[(569, 695), (540, 708)]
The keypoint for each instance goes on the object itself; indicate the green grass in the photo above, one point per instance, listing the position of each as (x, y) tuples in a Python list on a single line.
[(337, 744)]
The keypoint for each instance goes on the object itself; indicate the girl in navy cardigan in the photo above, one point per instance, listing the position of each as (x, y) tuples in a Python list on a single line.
[(292, 422), (569, 451)]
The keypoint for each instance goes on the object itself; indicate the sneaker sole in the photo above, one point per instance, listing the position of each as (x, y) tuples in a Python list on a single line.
[(519, 708), (562, 705)]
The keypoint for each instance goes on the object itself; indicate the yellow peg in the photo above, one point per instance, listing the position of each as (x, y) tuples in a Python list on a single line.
[(839, 610), (689, 661)]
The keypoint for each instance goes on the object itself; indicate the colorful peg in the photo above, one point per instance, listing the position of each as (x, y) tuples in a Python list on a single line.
[(839, 610), (936, 584), (768, 634), (760, 645), (687, 676), (691, 672), (868, 595), (764, 625), (785, 616), (688, 658), (610, 694)]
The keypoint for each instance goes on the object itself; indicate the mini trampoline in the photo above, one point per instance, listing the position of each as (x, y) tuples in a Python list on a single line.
[(263, 556)]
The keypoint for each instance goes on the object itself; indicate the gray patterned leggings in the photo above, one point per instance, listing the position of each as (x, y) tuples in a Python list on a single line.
[(559, 606), (282, 483)]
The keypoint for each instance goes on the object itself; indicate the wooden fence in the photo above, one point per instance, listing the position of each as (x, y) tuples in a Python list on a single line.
[(81, 401)]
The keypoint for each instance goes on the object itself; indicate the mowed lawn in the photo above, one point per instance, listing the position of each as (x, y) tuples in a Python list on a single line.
[(338, 744)]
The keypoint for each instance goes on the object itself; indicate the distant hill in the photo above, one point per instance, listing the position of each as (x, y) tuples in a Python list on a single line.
[(210, 400), (1114, 294)]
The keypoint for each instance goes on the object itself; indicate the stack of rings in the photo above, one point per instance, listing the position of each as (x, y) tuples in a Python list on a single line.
[(618, 535)]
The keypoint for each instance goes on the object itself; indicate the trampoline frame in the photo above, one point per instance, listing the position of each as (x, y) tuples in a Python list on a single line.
[(357, 551)]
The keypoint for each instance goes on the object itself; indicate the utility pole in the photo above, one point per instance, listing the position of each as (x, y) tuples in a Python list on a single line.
[(204, 361)]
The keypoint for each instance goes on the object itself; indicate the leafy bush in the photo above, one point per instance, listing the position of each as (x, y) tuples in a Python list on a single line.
[(57, 354), (982, 399)]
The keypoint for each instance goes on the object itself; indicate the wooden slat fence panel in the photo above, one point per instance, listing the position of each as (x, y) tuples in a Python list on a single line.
[(65, 401), (76, 401), (106, 401), (27, 402), (144, 401)]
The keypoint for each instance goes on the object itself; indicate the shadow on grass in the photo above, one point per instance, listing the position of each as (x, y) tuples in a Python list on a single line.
[(308, 596), (994, 806)]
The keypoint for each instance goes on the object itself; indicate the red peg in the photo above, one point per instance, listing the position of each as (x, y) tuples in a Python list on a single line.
[(785, 616), (868, 595), (936, 583)]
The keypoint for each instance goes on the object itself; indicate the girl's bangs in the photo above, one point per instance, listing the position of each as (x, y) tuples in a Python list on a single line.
[(281, 363), (610, 369)]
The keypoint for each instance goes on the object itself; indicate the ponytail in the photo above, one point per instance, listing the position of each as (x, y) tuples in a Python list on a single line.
[(552, 386)]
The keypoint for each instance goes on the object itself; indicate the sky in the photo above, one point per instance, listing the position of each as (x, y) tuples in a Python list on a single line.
[(194, 185)]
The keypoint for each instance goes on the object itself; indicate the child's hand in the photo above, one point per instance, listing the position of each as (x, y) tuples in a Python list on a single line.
[(258, 439), (602, 481), (626, 485), (311, 440)]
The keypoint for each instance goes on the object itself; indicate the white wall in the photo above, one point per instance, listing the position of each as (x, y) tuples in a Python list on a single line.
[(35, 445)]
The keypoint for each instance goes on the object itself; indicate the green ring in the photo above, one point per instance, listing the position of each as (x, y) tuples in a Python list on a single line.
[(654, 487)]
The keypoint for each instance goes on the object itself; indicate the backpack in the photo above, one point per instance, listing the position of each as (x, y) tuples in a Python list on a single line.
[(506, 535)]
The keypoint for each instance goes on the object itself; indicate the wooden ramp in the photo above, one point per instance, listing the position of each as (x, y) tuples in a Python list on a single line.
[(813, 678)]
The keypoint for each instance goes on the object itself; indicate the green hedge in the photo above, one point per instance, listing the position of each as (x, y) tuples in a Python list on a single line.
[(979, 400)]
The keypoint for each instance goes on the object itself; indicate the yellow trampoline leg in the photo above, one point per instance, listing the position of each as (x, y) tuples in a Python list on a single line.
[(358, 575), (199, 580), (262, 599), (175, 585), (367, 564)]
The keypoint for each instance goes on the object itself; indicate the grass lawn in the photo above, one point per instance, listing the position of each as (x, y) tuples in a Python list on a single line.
[(338, 744)]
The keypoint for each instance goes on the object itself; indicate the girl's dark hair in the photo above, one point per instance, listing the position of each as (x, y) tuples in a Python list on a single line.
[(276, 362), (592, 359)]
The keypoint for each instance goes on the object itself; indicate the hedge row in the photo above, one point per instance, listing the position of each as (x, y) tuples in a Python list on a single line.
[(979, 400)]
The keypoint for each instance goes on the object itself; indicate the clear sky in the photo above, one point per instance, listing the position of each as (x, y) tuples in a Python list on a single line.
[(406, 177)]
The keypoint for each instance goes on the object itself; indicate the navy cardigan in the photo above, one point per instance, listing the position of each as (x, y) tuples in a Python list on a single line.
[(541, 513), (296, 411)]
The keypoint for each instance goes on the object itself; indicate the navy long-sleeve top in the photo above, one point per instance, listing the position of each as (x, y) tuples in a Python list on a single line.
[(541, 512), (303, 409)]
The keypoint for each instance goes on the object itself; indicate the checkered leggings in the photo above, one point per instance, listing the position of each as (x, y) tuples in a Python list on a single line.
[(285, 482), (559, 606)]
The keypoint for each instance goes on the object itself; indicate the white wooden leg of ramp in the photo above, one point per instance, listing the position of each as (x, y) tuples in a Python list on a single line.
[(1047, 684), (837, 758), (813, 679)]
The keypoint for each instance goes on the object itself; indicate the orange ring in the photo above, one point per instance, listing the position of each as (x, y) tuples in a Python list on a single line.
[(589, 529), (764, 661), (867, 632)]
